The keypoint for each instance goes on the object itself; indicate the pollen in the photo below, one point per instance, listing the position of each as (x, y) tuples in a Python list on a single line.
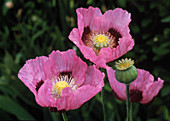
[(59, 86), (124, 64)]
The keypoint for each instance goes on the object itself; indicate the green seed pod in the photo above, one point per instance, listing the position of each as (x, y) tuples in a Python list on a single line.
[(125, 72)]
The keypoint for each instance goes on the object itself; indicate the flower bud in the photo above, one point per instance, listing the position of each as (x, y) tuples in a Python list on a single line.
[(125, 72)]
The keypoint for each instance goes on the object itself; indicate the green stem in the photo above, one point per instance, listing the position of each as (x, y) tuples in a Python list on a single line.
[(127, 102), (131, 111), (103, 106), (64, 116)]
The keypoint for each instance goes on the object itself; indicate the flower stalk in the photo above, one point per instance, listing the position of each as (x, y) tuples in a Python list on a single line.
[(103, 106), (131, 117), (64, 116), (127, 103)]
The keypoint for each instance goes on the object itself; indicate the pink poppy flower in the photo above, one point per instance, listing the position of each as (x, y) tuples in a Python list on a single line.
[(61, 81), (142, 90), (102, 38)]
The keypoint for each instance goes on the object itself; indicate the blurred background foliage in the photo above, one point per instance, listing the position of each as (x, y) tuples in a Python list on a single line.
[(36, 27)]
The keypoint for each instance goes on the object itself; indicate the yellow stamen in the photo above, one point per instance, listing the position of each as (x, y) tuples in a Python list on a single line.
[(59, 86), (124, 64)]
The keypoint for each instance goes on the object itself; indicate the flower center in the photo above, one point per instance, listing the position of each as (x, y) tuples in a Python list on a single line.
[(100, 40), (124, 64), (60, 83), (59, 86)]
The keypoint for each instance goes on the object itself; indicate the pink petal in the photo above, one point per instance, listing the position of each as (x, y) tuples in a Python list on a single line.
[(94, 77), (151, 92), (64, 60), (102, 23), (90, 54), (106, 54), (51, 69), (78, 71), (44, 94), (125, 45), (75, 37), (92, 85), (120, 19), (64, 102), (119, 89), (83, 94), (69, 62), (32, 73), (143, 81), (86, 16)]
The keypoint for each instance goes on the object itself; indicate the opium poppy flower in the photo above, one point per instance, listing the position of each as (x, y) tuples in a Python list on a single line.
[(141, 90), (61, 81), (102, 37)]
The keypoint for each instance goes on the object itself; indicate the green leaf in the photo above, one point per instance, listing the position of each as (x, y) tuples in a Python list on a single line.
[(54, 3), (122, 3), (36, 35), (166, 19), (146, 22), (89, 2), (153, 119), (10, 106), (4, 10), (165, 91)]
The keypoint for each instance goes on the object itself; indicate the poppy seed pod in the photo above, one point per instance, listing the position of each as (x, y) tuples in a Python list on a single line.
[(125, 72)]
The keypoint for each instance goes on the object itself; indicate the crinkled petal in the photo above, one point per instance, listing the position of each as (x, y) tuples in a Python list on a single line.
[(143, 81), (151, 92), (125, 45), (90, 54), (32, 73), (64, 60), (69, 62), (102, 23), (87, 51), (44, 94), (61, 103), (64, 102), (86, 16), (119, 20), (78, 71), (94, 77), (106, 54), (51, 69), (93, 84), (83, 94), (75, 37), (99, 24), (119, 89)]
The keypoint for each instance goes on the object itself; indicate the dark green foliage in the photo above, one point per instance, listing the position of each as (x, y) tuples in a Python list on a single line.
[(36, 27)]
